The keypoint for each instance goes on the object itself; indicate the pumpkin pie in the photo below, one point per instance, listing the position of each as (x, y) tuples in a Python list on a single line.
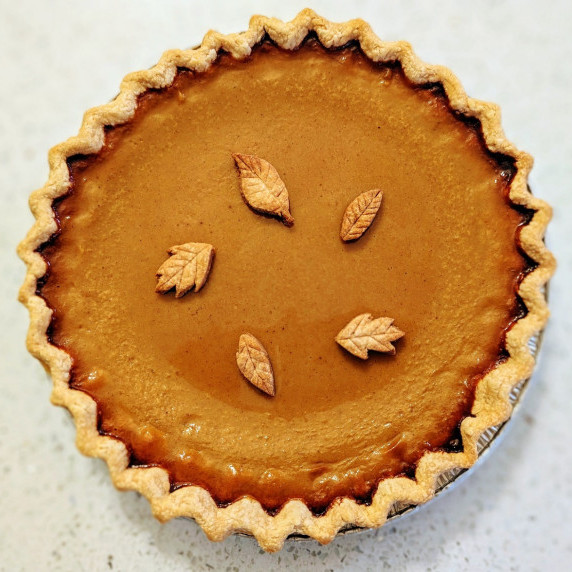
[(188, 279)]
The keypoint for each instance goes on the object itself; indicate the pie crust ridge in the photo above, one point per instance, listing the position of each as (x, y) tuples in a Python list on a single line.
[(491, 404)]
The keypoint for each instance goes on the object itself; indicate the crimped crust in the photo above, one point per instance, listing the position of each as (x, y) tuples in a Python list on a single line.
[(491, 405)]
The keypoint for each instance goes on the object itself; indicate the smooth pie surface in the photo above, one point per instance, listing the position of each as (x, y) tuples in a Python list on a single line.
[(441, 259)]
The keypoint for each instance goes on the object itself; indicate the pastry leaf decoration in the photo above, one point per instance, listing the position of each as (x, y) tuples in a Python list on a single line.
[(365, 333), (360, 214), (262, 188), (254, 363), (189, 265)]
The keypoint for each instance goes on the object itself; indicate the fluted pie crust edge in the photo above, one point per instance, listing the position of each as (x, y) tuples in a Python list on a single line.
[(491, 404)]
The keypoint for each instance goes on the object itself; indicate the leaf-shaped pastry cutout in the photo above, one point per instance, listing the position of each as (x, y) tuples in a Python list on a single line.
[(262, 188), (254, 363), (360, 214), (365, 333), (188, 266)]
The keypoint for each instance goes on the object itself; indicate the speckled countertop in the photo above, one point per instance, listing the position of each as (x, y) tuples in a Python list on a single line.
[(59, 511)]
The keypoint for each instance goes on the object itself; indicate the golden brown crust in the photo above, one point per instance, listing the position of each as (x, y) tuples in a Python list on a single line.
[(491, 405), (262, 188), (359, 214), (188, 266), (365, 333), (254, 364)]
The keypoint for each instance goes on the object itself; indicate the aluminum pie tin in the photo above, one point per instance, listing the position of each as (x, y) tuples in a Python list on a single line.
[(448, 480)]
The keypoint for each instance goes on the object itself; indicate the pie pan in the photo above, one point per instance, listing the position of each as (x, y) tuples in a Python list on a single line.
[(496, 392)]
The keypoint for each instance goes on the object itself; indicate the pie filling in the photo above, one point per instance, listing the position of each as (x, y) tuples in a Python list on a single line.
[(442, 259)]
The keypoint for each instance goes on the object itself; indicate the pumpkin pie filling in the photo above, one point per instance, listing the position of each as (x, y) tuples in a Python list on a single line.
[(442, 259)]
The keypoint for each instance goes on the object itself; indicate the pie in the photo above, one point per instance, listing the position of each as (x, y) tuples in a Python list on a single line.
[(232, 168)]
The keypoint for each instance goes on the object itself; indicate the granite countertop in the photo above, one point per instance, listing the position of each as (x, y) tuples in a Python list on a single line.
[(59, 511)]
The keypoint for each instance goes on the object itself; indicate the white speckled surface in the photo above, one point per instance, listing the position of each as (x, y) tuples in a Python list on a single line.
[(59, 511)]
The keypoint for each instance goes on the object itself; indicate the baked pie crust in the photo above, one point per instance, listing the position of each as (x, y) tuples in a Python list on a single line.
[(491, 405)]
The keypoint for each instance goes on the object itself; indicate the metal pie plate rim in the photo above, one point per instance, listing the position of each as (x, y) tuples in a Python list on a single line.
[(449, 480)]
